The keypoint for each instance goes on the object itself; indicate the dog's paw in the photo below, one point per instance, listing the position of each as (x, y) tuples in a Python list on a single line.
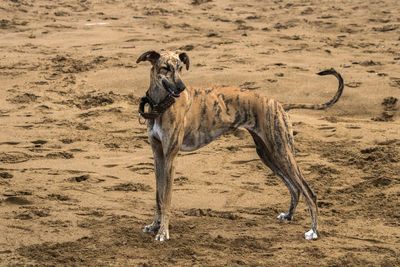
[(151, 228), (284, 217), (162, 235), (311, 235)]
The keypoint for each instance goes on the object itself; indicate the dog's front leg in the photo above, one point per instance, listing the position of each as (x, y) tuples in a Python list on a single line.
[(164, 153), (159, 161), (163, 167), (164, 194), (164, 185)]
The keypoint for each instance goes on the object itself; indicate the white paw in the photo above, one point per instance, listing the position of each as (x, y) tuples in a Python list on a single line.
[(284, 217), (151, 228), (162, 237), (163, 233), (311, 235)]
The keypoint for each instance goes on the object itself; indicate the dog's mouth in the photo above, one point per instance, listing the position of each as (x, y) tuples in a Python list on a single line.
[(173, 89)]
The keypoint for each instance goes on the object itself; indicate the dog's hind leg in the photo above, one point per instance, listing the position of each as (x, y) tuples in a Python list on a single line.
[(276, 135), (293, 189)]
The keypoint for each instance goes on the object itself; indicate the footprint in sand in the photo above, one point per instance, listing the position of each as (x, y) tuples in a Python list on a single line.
[(367, 63), (24, 98), (60, 155), (32, 213), (112, 145), (211, 213), (39, 143), (324, 204), (386, 28), (199, 2), (307, 11), (188, 47), (80, 178), (14, 157), (82, 126), (16, 200), (92, 100), (129, 187), (249, 86), (181, 180), (66, 141), (233, 148), (142, 168), (58, 197), (284, 26), (390, 108), (6, 175)]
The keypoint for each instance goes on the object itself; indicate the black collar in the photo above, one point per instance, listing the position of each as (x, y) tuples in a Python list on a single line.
[(156, 109)]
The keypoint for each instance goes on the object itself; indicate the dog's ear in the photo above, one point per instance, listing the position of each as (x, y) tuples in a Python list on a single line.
[(151, 56), (185, 59)]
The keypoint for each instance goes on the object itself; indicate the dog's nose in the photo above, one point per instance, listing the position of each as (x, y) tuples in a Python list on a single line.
[(180, 86)]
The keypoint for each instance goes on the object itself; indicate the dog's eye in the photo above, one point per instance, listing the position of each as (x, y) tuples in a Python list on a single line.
[(165, 69)]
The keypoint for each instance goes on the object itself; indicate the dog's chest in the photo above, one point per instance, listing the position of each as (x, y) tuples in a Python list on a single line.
[(156, 131)]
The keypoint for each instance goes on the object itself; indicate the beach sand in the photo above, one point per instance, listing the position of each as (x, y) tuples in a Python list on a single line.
[(76, 169)]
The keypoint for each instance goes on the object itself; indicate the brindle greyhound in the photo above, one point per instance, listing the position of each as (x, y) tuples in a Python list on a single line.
[(188, 119)]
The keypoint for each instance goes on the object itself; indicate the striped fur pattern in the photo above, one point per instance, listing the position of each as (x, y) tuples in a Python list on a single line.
[(199, 116)]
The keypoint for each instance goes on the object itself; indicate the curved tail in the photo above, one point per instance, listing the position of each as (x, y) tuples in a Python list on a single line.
[(325, 105)]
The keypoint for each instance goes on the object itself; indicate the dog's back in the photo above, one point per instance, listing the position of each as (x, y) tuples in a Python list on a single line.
[(215, 111)]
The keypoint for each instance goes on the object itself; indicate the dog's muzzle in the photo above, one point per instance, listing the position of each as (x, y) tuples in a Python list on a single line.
[(173, 88)]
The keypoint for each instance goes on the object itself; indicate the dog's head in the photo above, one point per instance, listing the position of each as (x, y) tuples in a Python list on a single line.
[(166, 70)]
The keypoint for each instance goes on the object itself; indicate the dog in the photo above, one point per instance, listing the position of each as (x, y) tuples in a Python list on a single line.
[(186, 119)]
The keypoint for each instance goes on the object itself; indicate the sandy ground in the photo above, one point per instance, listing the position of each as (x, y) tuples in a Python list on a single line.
[(76, 171)]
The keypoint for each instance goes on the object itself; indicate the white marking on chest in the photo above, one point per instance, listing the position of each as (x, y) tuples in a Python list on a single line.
[(156, 131)]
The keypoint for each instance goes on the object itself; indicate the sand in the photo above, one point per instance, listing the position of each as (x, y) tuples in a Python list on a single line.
[(76, 170)]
